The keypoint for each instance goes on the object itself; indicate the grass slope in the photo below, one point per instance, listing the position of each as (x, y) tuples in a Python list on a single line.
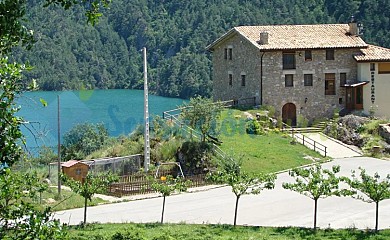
[(261, 153), (270, 153), (69, 200), (213, 232)]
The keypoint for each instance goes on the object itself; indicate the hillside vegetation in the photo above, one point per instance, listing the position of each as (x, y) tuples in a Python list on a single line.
[(71, 55)]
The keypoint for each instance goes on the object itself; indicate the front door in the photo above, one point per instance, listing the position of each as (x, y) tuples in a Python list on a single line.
[(354, 98), (289, 114), (359, 97), (350, 98)]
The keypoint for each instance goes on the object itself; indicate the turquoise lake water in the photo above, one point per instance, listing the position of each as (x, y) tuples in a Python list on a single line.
[(119, 110)]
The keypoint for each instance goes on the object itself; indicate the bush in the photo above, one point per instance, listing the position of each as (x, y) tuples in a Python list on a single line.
[(133, 234), (302, 121), (164, 237), (372, 127), (166, 151), (372, 141), (254, 127), (195, 157)]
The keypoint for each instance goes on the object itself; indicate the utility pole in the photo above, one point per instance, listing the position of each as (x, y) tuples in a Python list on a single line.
[(146, 116), (59, 145)]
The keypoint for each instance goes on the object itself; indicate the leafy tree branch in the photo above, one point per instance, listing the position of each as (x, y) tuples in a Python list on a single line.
[(167, 185), (315, 182), (90, 185), (242, 183), (370, 189), (201, 114)]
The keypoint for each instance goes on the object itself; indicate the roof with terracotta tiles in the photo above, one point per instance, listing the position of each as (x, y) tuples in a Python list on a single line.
[(373, 54), (280, 37), (71, 163)]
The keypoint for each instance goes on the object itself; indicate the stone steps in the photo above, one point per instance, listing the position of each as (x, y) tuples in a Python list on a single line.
[(304, 130), (320, 125)]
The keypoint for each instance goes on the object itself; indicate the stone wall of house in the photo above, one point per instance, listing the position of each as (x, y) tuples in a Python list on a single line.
[(310, 101), (245, 61)]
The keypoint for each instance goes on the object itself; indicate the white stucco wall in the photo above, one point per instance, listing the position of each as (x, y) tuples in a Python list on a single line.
[(381, 90)]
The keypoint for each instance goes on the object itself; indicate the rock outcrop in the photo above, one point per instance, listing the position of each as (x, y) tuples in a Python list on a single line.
[(346, 129), (384, 132)]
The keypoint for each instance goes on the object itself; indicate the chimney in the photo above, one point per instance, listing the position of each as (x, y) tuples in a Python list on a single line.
[(264, 38), (353, 27)]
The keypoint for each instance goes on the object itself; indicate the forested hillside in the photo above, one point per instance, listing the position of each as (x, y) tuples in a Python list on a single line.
[(71, 55)]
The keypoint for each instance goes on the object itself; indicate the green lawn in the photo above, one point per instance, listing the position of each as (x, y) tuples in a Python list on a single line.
[(209, 232), (69, 200), (261, 153)]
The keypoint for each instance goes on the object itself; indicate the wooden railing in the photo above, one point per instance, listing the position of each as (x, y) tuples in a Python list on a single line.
[(305, 140), (174, 113), (316, 145), (140, 183)]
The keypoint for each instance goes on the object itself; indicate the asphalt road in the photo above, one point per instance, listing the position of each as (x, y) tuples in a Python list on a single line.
[(277, 207)]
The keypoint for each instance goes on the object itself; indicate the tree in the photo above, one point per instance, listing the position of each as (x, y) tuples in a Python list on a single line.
[(201, 114), (90, 185), (10, 134), (167, 185), (83, 139), (19, 219), (13, 33), (92, 7), (242, 183), (315, 183), (370, 189)]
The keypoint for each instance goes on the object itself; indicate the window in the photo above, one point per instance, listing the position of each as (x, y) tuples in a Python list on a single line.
[(230, 79), (372, 66), (78, 171), (330, 88), (308, 55), (289, 60), (308, 80), (329, 54), (383, 68), (343, 79), (289, 80), (228, 53), (243, 77), (340, 100)]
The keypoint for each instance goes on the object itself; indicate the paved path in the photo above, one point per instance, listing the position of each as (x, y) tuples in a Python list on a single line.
[(278, 207), (335, 148)]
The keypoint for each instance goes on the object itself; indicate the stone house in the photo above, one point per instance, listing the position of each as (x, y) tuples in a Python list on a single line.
[(308, 70)]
